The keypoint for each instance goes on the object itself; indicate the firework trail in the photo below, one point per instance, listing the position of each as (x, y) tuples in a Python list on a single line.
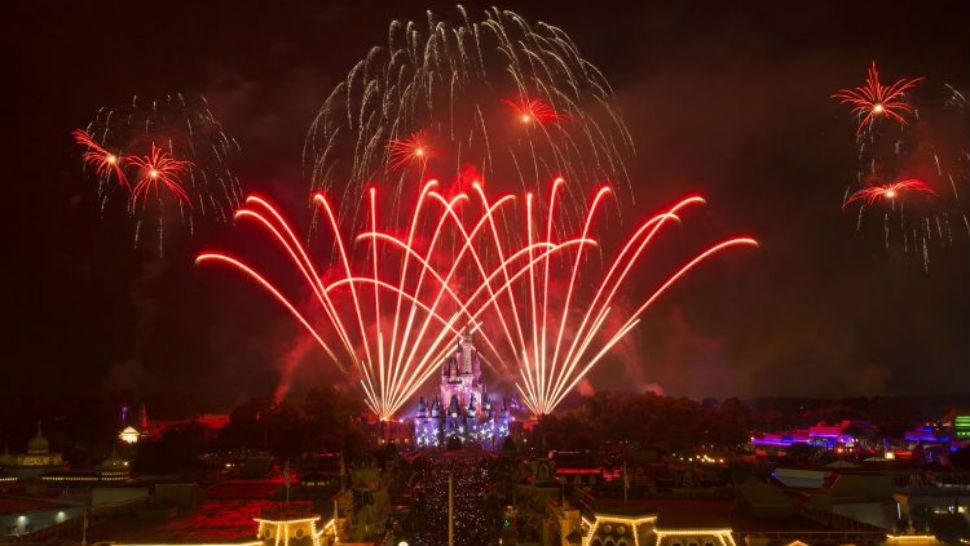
[(454, 270), (175, 151), (910, 171), (392, 320), (564, 316), (516, 101)]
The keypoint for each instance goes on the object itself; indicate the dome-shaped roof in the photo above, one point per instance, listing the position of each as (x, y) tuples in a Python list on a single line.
[(114, 462), (38, 444)]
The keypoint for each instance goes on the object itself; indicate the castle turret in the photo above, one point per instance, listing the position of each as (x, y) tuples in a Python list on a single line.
[(451, 369)]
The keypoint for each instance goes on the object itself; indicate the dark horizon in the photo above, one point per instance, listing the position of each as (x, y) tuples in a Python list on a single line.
[(732, 102)]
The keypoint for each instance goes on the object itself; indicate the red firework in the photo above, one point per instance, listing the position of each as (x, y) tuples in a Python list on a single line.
[(105, 163), (156, 170), (874, 99), (396, 313), (889, 192), (413, 149), (531, 111)]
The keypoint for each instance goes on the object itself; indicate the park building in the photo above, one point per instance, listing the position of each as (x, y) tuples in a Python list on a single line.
[(37, 461), (37, 520)]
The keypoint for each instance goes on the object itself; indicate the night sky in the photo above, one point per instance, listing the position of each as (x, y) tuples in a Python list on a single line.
[(727, 99)]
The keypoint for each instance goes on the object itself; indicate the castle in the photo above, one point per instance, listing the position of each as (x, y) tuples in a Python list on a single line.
[(462, 411)]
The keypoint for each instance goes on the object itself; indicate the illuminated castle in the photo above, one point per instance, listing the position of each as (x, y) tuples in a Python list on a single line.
[(462, 411)]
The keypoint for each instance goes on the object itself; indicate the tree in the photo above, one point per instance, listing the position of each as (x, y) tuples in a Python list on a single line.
[(332, 416), (961, 458), (177, 450), (247, 426), (508, 444)]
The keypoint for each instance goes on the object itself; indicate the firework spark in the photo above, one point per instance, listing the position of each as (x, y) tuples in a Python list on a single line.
[(889, 192), (411, 150), (874, 100), (105, 163), (393, 317), (532, 111), (156, 170)]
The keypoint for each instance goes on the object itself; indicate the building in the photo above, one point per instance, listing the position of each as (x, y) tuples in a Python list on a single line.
[(838, 436), (759, 516), (959, 423), (113, 469), (918, 504), (37, 520), (38, 459), (288, 526), (294, 528), (462, 412), (131, 430)]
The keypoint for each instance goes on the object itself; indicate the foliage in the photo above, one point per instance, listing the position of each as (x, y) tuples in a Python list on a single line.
[(646, 420)]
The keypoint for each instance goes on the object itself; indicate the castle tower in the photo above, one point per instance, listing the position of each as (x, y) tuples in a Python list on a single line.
[(143, 418), (462, 409)]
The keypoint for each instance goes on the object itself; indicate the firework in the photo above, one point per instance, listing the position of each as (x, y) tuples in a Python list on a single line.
[(413, 150), (158, 169), (889, 192), (449, 83), (455, 272), (533, 111), (565, 315), (875, 100), (176, 152), (106, 164)]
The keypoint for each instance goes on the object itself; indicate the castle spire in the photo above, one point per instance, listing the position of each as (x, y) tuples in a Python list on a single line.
[(143, 417)]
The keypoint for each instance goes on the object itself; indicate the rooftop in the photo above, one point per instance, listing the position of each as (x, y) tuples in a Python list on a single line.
[(13, 505)]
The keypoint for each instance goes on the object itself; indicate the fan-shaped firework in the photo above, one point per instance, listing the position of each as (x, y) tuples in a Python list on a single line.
[(454, 271), (874, 100), (565, 315), (451, 86), (911, 171), (158, 169), (889, 192), (176, 152), (106, 164)]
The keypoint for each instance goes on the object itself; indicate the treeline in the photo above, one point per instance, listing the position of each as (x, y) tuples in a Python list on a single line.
[(325, 419), (647, 420)]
